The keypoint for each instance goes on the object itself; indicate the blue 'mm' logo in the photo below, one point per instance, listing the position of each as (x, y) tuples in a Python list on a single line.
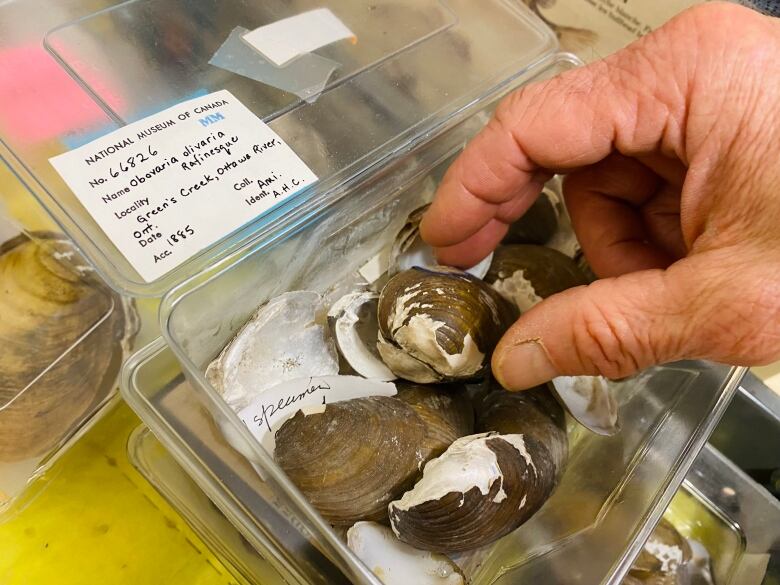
[(211, 119)]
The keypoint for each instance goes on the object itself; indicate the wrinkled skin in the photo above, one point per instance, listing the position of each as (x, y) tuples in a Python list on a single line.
[(670, 148)]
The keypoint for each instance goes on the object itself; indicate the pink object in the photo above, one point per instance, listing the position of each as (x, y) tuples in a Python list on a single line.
[(39, 101)]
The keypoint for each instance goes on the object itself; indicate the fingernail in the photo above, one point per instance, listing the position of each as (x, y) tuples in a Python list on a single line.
[(524, 365)]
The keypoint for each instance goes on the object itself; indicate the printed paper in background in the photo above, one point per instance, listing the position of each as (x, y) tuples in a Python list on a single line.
[(593, 29)]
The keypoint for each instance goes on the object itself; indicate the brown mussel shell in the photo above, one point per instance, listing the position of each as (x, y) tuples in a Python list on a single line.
[(353, 458), (446, 411), (440, 325), (662, 559), (409, 250), (531, 413), (62, 334), (464, 519), (584, 266), (537, 225), (548, 271)]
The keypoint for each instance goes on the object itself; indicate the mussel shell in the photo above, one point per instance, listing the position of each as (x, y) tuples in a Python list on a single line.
[(446, 411), (409, 250), (62, 334), (439, 325), (440, 515), (548, 271), (353, 458), (284, 340), (531, 413), (662, 559), (584, 266), (590, 401), (354, 325), (405, 238), (537, 225), (397, 563)]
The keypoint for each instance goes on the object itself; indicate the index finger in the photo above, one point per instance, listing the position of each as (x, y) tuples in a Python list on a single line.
[(570, 121)]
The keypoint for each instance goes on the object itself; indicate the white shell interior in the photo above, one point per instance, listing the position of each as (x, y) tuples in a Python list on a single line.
[(468, 463), (590, 401), (281, 342), (517, 289), (422, 255), (397, 563), (356, 330)]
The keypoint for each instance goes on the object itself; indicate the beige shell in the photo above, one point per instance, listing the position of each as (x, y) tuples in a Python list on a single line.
[(446, 411), (284, 340), (481, 488), (525, 274), (62, 335), (353, 458), (439, 325), (533, 413)]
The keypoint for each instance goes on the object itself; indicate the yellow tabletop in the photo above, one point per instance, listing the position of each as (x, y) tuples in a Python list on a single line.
[(93, 519)]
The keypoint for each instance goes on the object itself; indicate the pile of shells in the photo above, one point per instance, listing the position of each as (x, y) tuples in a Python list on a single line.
[(451, 462), (63, 335)]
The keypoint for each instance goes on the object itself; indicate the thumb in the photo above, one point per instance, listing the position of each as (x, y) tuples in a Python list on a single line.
[(613, 327)]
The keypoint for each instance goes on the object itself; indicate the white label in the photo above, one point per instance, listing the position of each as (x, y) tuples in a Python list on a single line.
[(267, 413), (170, 185), (375, 268), (291, 37)]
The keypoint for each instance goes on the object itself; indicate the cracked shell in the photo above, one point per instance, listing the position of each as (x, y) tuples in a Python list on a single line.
[(63, 335), (440, 325), (531, 413), (446, 411), (481, 488), (353, 458), (525, 274)]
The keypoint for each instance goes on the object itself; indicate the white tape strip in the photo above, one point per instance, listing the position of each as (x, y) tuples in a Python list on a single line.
[(291, 37)]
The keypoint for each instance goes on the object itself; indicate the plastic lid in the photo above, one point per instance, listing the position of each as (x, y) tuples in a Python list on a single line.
[(411, 68)]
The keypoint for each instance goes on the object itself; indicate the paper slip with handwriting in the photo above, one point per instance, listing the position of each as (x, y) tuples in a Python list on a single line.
[(269, 410)]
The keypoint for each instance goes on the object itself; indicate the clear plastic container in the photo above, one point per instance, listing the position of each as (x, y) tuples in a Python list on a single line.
[(417, 68), (64, 336), (613, 492), (405, 98), (717, 505), (614, 488), (154, 462), (737, 520)]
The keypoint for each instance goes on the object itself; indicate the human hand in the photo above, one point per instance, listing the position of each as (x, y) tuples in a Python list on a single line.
[(670, 149)]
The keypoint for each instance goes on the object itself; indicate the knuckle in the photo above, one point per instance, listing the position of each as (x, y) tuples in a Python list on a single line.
[(607, 342), (717, 14), (745, 328)]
